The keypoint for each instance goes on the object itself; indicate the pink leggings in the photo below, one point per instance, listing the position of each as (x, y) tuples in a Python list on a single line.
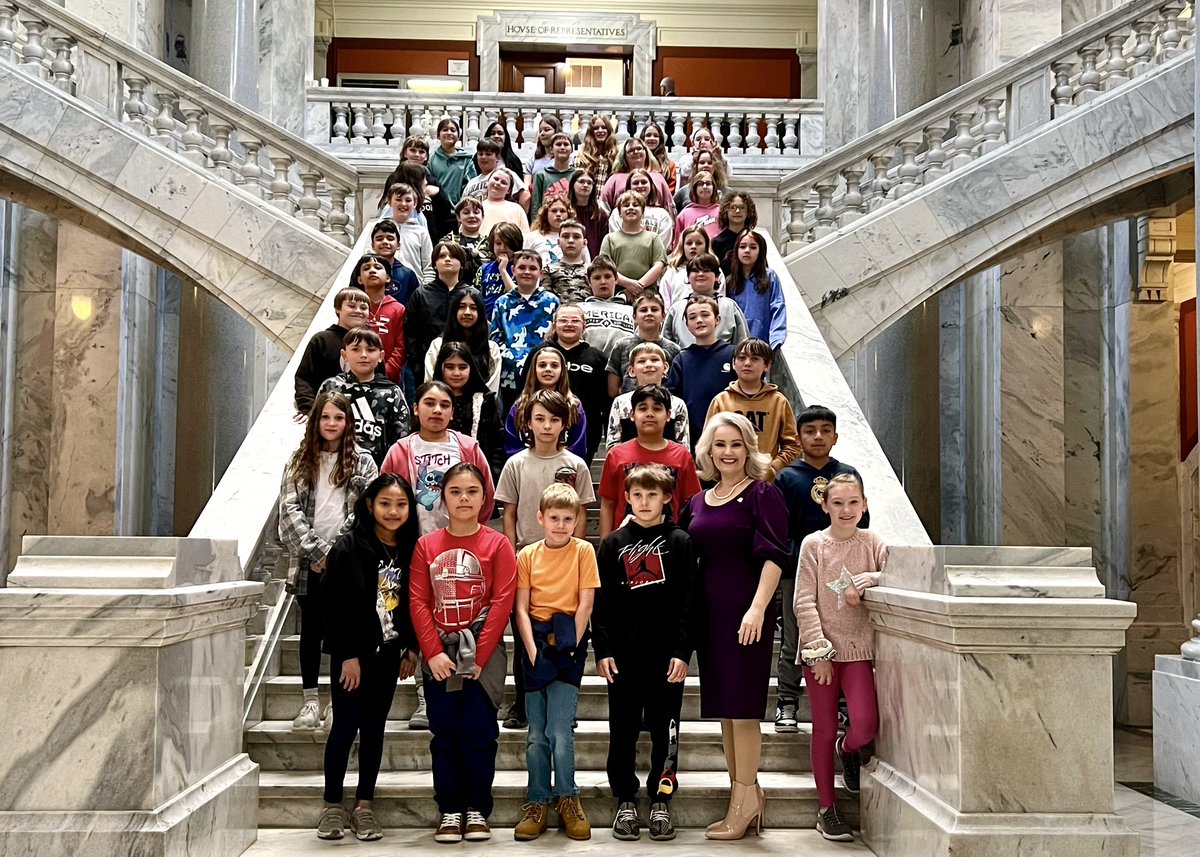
[(855, 679)]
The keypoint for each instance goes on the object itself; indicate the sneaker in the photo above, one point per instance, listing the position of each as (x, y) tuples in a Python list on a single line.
[(625, 825), (515, 719), (419, 718), (832, 827), (785, 717), (309, 717), (661, 829), (327, 719), (851, 763), (532, 823), (574, 821), (450, 830), (477, 829), (332, 823), (364, 825)]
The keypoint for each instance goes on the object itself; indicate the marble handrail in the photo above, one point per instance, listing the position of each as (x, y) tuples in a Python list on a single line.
[(179, 113), (981, 116), (743, 126), (810, 376)]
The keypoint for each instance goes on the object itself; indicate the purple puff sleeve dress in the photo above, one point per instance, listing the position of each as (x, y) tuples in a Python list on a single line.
[(733, 541)]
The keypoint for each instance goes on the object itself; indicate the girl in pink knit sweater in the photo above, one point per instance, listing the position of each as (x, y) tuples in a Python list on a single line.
[(837, 644)]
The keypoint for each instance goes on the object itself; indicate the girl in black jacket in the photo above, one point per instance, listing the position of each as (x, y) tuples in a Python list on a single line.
[(476, 411), (371, 643)]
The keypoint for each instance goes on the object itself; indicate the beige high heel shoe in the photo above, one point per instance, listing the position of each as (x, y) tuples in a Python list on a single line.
[(746, 808)]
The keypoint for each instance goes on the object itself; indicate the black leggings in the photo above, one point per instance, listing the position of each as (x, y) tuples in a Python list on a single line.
[(362, 712), (312, 630)]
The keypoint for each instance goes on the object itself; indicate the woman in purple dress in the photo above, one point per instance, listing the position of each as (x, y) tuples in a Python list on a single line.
[(740, 528)]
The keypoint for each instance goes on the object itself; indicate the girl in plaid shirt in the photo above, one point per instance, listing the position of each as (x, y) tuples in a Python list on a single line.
[(321, 483)]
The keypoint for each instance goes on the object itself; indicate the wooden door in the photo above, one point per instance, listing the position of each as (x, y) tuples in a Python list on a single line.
[(536, 75)]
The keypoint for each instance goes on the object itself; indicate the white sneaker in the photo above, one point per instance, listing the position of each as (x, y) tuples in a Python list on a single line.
[(309, 717), (327, 719)]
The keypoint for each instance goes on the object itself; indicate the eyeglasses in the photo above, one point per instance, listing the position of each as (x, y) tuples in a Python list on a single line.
[(737, 208), (698, 184)]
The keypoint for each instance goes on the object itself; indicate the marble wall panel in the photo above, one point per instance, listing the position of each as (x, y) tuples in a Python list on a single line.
[(64, 751), (199, 711), (82, 457), (285, 38)]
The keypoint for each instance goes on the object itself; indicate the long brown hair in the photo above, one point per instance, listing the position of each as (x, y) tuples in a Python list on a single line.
[(532, 385), (305, 464)]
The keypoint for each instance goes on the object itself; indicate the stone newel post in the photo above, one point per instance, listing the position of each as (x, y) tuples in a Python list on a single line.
[(994, 672), (122, 661), (1176, 693)]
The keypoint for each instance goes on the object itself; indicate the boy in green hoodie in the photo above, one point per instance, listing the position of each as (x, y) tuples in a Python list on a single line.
[(767, 409)]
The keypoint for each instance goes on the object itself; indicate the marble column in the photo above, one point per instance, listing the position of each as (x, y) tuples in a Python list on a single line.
[(842, 72), (285, 52), (225, 48), (28, 255), (993, 669), (1097, 291), (85, 372), (126, 735)]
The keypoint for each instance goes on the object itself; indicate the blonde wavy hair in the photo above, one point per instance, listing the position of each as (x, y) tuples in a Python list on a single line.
[(758, 464)]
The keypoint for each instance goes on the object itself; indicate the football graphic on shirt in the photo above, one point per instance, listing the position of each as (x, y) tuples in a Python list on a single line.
[(459, 588), (566, 475)]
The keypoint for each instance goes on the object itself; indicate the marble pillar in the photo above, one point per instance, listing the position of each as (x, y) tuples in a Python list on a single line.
[(225, 48), (28, 275), (231, 369), (843, 73), (285, 55), (126, 735), (1097, 292), (901, 53), (140, 22), (85, 373), (1032, 502), (993, 672), (1154, 497)]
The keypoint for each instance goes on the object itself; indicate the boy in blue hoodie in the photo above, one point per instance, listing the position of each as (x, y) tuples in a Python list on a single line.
[(803, 485), (704, 368)]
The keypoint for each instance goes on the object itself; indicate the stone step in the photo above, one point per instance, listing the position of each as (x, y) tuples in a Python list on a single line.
[(290, 658), (283, 698), (302, 842), (404, 799), (275, 747)]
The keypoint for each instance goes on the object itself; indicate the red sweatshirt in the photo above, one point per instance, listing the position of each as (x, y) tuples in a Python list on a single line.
[(387, 319), (452, 578)]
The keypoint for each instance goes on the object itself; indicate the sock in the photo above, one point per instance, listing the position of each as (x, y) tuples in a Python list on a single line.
[(310, 694)]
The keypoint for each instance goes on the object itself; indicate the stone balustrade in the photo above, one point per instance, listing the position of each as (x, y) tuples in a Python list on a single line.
[(1015, 99), (752, 127), (233, 144)]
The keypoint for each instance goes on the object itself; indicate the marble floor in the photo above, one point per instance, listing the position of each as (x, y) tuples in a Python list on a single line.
[(1167, 831)]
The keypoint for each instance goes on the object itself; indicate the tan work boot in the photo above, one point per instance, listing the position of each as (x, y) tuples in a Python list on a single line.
[(574, 822), (532, 823)]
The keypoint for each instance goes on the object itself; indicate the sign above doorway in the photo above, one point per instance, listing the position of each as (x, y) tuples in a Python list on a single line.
[(567, 29)]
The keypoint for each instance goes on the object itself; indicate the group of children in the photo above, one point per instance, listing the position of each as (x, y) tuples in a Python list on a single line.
[(416, 442)]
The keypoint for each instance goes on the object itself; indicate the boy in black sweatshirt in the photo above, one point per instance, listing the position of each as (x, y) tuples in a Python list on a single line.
[(704, 368), (323, 357), (380, 412), (640, 632)]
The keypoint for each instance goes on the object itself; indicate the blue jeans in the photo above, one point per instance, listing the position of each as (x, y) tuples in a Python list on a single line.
[(550, 711)]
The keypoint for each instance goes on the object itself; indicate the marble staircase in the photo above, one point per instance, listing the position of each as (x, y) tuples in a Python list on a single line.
[(1091, 127)]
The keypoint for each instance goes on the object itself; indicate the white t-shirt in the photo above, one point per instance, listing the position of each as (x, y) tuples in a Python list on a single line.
[(330, 506), (526, 475), (654, 218), (430, 463)]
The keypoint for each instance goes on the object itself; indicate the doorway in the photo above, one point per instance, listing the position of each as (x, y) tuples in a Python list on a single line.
[(566, 71)]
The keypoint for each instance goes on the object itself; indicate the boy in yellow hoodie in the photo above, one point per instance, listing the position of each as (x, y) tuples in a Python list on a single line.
[(767, 409)]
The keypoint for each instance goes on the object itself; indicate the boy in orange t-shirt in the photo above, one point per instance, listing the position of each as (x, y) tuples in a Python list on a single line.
[(557, 579)]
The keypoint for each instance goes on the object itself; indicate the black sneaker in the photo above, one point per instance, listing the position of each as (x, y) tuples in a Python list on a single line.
[(625, 825), (661, 829), (785, 716), (515, 718), (832, 827), (851, 763)]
